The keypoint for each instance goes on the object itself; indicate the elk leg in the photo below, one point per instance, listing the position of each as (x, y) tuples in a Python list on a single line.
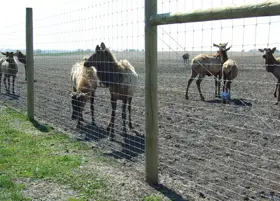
[(198, 82), (278, 99), (5, 83), (129, 111), (124, 114), (80, 113), (110, 127), (92, 107), (9, 84), (276, 86), (216, 86), (0, 81), (219, 84), (14, 84), (225, 81), (25, 72), (193, 75)]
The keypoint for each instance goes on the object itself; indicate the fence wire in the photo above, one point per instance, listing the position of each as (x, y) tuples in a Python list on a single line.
[(217, 151), (207, 150)]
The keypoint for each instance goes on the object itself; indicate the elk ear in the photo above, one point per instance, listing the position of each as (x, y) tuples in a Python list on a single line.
[(97, 48), (261, 50), (228, 48), (215, 45), (4, 53), (273, 49), (103, 46)]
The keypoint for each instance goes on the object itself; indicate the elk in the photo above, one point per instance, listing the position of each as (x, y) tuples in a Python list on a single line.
[(272, 65), (121, 79), (186, 58), (202, 65), (9, 68), (229, 67), (22, 58), (84, 83)]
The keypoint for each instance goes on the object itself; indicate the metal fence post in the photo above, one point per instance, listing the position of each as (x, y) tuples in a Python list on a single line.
[(30, 64), (151, 99)]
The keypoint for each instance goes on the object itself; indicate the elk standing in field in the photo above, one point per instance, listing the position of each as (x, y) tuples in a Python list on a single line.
[(22, 58), (272, 65), (9, 68), (229, 67), (186, 58), (121, 78), (202, 65), (84, 83)]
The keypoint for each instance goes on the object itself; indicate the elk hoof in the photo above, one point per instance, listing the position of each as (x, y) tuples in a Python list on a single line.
[(124, 131), (111, 136), (79, 125), (276, 103), (187, 97), (130, 126)]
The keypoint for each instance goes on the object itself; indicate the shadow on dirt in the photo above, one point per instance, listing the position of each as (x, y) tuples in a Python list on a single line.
[(25, 81), (92, 132), (11, 96), (234, 101), (171, 194), (132, 146)]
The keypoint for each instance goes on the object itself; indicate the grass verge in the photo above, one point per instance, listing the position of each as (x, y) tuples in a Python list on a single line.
[(52, 156), (36, 153)]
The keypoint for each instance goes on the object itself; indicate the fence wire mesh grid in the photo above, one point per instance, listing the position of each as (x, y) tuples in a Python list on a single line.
[(207, 150)]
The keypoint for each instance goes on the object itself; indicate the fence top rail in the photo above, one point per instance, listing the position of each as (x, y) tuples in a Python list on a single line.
[(267, 8)]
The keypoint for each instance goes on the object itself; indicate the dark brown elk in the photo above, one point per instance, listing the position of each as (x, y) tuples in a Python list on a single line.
[(272, 65), (121, 79), (22, 58)]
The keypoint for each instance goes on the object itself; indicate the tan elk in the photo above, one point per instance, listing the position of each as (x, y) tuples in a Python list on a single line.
[(202, 65), (229, 67)]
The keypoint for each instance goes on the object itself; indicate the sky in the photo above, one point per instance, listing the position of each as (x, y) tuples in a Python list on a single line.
[(82, 24)]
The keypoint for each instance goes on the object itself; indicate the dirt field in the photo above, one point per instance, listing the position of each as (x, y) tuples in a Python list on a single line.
[(207, 150)]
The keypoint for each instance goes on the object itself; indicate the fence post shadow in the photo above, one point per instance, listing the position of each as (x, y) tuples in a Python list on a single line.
[(42, 128)]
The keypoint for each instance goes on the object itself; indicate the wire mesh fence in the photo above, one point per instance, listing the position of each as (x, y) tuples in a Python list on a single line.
[(207, 150), (217, 151)]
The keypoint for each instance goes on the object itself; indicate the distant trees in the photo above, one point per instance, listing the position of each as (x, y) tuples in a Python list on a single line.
[(38, 51)]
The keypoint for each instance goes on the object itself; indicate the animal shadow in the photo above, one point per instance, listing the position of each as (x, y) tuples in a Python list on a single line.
[(132, 146), (234, 101), (12, 96), (92, 132), (241, 102)]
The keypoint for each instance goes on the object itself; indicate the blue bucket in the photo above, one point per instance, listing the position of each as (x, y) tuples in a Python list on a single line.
[(225, 95)]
